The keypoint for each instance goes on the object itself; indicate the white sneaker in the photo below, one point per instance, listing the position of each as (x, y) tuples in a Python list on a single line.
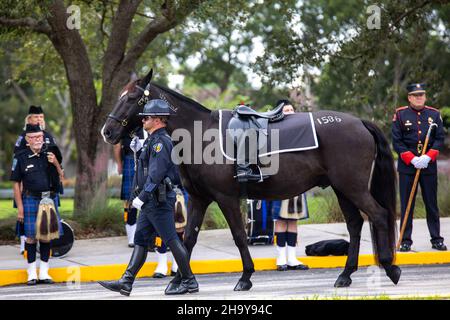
[(32, 274), (161, 268), (44, 277), (131, 230)]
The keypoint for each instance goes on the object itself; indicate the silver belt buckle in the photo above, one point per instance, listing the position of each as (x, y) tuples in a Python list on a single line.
[(46, 194)]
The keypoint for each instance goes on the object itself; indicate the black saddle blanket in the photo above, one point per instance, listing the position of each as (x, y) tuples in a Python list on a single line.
[(296, 132)]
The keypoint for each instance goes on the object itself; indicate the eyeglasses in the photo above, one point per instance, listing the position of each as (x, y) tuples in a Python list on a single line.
[(35, 137)]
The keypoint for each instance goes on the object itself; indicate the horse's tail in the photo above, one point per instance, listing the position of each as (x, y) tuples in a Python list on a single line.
[(383, 187)]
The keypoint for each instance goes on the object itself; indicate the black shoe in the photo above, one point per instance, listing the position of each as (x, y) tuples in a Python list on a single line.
[(405, 247), (439, 246), (46, 281), (32, 282), (158, 275), (187, 285), (283, 267), (172, 273), (131, 245), (298, 267), (118, 286)]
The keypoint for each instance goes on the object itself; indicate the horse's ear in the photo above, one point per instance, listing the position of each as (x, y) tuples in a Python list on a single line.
[(147, 78)]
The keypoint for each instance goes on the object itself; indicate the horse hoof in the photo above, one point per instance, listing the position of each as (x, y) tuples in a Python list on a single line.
[(394, 273), (243, 285), (343, 282)]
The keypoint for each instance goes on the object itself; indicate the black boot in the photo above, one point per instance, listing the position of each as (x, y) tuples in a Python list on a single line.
[(124, 284), (188, 282)]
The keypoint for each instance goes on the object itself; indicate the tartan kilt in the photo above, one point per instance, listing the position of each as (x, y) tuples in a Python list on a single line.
[(30, 210), (127, 177)]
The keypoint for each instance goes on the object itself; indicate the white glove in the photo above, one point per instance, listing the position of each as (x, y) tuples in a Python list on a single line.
[(416, 163), (135, 144), (137, 203), (424, 161)]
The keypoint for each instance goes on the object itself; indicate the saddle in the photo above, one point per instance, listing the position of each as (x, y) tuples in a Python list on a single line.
[(247, 123), (244, 111)]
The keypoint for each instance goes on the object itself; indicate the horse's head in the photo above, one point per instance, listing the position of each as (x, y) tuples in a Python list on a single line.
[(122, 120)]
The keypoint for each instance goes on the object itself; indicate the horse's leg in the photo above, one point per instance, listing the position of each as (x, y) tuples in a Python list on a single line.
[(232, 212), (354, 225), (196, 213), (378, 217)]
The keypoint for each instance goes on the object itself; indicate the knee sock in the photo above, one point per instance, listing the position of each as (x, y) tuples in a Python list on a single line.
[(291, 238), (162, 248), (31, 252), (281, 238), (131, 216), (44, 248)]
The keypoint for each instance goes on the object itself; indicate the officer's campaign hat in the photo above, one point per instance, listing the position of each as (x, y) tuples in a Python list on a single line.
[(31, 128), (156, 107), (35, 110), (416, 88)]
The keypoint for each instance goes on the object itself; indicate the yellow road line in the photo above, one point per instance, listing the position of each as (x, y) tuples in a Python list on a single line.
[(114, 271)]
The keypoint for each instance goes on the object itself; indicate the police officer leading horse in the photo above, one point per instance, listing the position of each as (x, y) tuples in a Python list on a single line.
[(155, 198), (334, 163)]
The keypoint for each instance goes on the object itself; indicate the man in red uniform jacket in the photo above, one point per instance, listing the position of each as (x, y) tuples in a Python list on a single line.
[(409, 129)]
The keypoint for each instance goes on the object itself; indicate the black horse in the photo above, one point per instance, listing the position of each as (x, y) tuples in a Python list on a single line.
[(353, 158)]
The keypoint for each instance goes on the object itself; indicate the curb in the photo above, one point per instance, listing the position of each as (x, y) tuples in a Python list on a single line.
[(76, 274)]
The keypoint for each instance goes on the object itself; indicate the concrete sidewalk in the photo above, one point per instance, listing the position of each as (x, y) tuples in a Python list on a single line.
[(215, 251)]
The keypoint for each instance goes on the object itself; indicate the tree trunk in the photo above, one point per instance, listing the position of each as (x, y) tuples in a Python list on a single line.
[(91, 165)]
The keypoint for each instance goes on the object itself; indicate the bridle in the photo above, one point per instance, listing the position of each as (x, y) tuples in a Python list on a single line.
[(142, 101)]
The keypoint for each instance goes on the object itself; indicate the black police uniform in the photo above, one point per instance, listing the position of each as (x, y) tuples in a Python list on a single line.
[(37, 175), (409, 131), (154, 165)]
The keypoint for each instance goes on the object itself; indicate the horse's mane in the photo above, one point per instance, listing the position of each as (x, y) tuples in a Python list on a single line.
[(181, 97)]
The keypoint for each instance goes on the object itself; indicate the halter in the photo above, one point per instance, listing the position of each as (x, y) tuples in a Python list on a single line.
[(142, 101)]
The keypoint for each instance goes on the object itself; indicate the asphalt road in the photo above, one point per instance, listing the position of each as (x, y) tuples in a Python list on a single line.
[(416, 281)]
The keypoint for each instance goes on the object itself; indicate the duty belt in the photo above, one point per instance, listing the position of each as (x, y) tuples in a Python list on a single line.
[(41, 195)]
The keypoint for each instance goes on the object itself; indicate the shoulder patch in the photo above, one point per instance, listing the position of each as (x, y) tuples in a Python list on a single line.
[(14, 164), (158, 147), (19, 141)]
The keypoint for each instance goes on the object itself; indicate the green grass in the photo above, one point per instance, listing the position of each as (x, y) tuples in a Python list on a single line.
[(65, 210)]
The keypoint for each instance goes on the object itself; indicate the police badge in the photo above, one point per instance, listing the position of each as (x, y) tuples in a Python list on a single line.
[(158, 147)]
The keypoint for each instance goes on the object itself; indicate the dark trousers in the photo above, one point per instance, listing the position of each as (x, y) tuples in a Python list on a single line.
[(428, 185), (157, 217)]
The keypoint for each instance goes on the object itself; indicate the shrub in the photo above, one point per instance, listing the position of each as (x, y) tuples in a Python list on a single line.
[(330, 206), (214, 218)]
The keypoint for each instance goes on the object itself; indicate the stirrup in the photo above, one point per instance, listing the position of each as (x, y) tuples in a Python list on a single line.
[(250, 176)]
